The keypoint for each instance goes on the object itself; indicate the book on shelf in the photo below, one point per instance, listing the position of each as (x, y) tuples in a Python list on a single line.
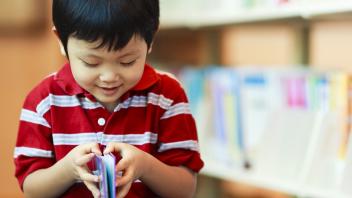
[(228, 126)]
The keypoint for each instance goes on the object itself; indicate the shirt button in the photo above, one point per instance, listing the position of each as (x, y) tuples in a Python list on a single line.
[(101, 121)]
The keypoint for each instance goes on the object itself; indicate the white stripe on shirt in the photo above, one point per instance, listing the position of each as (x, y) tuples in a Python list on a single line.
[(100, 137), (159, 100), (141, 101), (43, 106), (135, 101), (65, 101), (33, 117), (188, 144), (134, 139), (73, 101), (32, 152), (177, 109), (74, 139)]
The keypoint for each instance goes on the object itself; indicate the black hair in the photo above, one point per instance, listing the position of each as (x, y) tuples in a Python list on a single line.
[(115, 22)]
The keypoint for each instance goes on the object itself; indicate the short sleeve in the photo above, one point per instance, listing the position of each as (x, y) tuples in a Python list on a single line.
[(178, 141), (34, 147)]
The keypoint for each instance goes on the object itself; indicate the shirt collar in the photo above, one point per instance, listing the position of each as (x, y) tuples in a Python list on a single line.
[(66, 81)]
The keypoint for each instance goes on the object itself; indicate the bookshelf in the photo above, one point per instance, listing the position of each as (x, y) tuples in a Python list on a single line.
[(291, 135), (219, 170), (296, 32), (226, 13)]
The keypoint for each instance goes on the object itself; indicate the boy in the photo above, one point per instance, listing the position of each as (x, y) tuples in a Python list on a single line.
[(107, 96)]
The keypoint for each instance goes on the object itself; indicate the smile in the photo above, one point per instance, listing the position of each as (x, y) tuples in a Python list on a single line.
[(108, 91)]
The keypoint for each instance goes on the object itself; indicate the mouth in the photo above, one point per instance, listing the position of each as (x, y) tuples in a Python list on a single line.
[(109, 90)]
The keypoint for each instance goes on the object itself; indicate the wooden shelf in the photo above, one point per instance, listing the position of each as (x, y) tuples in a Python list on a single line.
[(249, 177)]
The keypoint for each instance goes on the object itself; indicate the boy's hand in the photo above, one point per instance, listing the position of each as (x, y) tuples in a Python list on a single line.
[(133, 165), (77, 160)]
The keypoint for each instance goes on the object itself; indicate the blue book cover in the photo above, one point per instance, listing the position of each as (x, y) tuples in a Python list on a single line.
[(105, 169)]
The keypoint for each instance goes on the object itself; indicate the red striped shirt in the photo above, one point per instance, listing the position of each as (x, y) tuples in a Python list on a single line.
[(58, 115)]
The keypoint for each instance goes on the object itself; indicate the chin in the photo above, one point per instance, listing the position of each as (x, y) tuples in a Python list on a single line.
[(109, 100)]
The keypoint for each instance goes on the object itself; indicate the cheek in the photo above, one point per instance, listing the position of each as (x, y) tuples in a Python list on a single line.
[(136, 76), (84, 78), (132, 78), (133, 75)]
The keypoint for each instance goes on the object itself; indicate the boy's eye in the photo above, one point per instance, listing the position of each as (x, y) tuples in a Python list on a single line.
[(128, 63), (90, 64)]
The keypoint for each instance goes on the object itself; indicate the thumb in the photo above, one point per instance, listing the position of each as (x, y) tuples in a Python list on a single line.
[(113, 147), (91, 148)]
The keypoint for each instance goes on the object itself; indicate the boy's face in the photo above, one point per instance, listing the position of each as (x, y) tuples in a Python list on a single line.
[(107, 75)]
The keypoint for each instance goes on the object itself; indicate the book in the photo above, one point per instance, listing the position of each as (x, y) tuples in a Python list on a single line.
[(105, 169)]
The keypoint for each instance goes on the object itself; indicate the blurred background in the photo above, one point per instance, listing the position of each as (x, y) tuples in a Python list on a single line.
[(268, 82)]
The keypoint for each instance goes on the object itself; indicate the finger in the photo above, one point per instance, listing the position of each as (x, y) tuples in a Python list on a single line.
[(118, 175), (125, 179), (96, 149), (89, 177), (84, 159), (92, 148), (93, 188), (113, 147), (122, 165), (122, 191), (82, 171)]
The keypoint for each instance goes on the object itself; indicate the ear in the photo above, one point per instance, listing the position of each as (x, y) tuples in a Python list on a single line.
[(150, 48), (151, 44), (62, 49)]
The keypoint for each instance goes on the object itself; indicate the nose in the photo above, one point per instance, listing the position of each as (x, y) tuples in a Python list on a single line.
[(108, 75)]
